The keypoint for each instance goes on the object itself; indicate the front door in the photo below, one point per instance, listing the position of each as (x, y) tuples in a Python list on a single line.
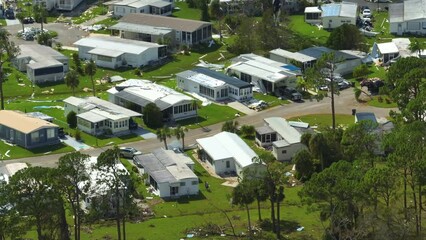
[(174, 191)]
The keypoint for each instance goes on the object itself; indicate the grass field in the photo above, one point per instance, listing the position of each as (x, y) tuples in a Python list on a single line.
[(183, 11), (386, 102), (324, 119), (271, 100), (3, 22), (90, 14), (307, 31)]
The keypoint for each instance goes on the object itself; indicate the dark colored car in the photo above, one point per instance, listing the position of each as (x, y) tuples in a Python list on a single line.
[(292, 94), (9, 14), (132, 124)]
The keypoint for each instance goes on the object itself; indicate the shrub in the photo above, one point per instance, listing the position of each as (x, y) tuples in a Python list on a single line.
[(380, 99), (72, 119), (388, 101), (78, 135)]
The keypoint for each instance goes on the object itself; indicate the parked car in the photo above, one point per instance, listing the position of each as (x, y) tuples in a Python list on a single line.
[(132, 124), (366, 12), (292, 94), (28, 20), (129, 152), (9, 14)]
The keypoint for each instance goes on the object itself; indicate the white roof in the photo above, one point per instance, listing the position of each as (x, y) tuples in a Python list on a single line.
[(96, 109), (284, 129), (312, 10), (206, 80), (115, 44), (300, 57), (414, 10), (403, 45), (389, 47), (10, 169), (226, 145), (106, 52), (150, 91), (261, 67)]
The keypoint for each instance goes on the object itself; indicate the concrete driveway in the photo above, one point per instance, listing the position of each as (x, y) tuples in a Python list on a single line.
[(11, 22)]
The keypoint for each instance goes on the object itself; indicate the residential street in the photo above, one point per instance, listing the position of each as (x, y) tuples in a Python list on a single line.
[(345, 102)]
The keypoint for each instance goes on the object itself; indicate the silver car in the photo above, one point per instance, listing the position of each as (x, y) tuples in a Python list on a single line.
[(129, 152)]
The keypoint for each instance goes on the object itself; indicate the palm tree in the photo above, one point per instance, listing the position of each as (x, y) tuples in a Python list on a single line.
[(40, 13), (72, 81), (163, 134), (179, 132), (230, 126), (90, 69), (194, 105), (8, 51), (416, 46)]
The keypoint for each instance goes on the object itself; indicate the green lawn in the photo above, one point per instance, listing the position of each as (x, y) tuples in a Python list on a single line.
[(107, 23), (307, 31), (271, 100), (386, 102), (324, 119), (185, 12), (3, 22), (18, 152), (90, 14), (208, 115)]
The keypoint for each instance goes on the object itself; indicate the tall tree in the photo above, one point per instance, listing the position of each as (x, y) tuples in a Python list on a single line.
[(40, 13), (20, 16), (72, 80), (90, 69), (111, 175), (246, 40), (323, 73), (406, 83), (35, 195), (243, 195), (73, 179), (152, 116), (163, 134), (248, 131), (360, 141), (12, 224), (347, 37), (8, 51), (179, 132), (335, 192), (304, 164), (205, 16), (416, 46)]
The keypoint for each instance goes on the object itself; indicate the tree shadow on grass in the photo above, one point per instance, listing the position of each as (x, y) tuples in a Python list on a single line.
[(286, 226), (50, 148), (187, 199)]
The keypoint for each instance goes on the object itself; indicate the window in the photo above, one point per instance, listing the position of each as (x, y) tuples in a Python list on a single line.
[(245, 77), (104, 58), (50, 133), (194, 182), (284, 151), (35, 138), (182, 184), (48, 70), (228, 164)]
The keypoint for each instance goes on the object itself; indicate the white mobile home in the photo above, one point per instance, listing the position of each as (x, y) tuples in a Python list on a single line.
[(284, 138), (42, 64), (138, 93), (114, 52), (121, 8), (168, 173), (96, 116), (214, 85), (332, 15), (265, 74), (408, 17), (228, 153), (64, 5)]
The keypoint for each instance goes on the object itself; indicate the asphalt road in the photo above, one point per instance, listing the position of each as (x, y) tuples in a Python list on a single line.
[(67, 35), (344, 104)]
